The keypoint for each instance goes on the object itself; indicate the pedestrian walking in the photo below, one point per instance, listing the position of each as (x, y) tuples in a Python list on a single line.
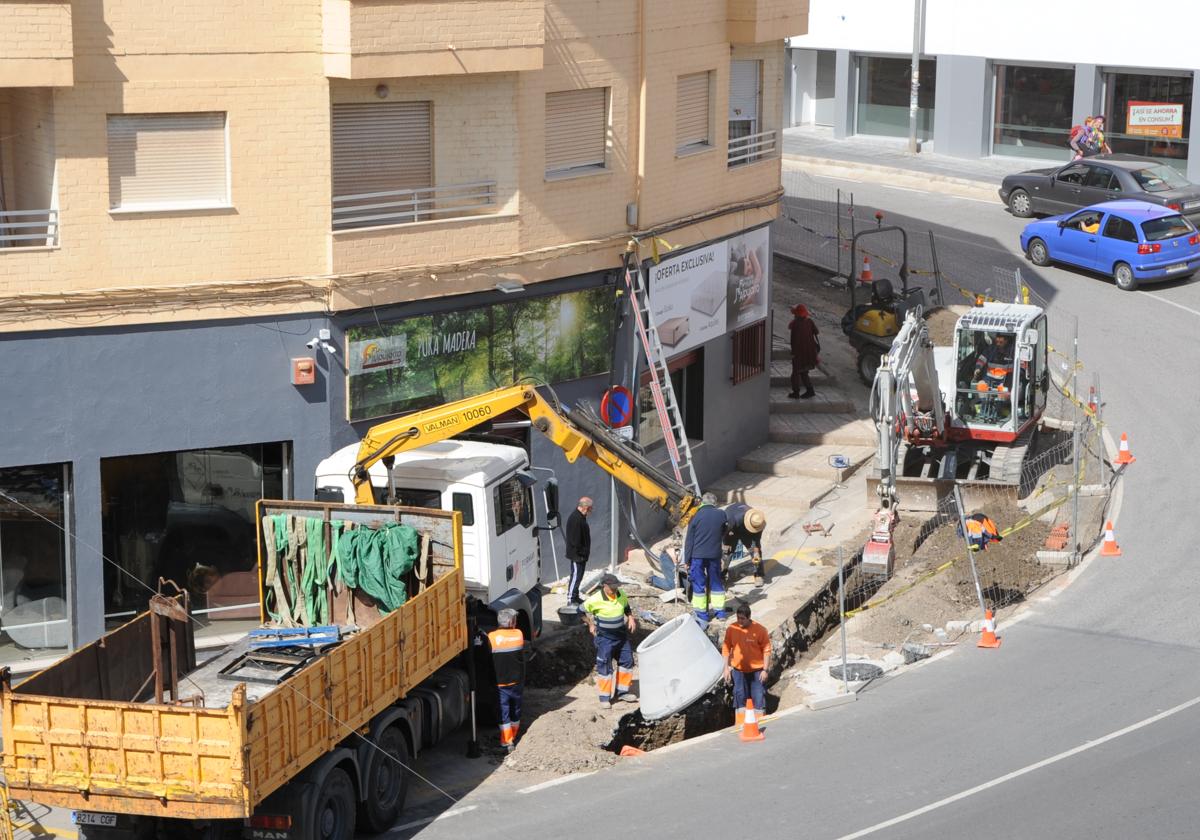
[(746, 525), (747, 652), (805, 349), (579, 547), (1081, 138), (508, 657), (611, 623), (702, 549), (1098, 140)]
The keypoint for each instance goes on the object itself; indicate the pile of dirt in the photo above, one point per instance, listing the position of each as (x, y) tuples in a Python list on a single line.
[(941, 321)]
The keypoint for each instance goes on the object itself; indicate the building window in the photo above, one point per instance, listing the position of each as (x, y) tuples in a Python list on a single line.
[(1033, 111), (167, 161), (687, 378), (884, 90), (188, 517), (693, 112), (747, 140), (749, 352), (382, 164), (1149, 115), (33, 560), (576, 131)]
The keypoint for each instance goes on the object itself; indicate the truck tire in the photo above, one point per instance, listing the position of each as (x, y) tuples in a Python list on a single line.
[(386, 783), (330, 815)]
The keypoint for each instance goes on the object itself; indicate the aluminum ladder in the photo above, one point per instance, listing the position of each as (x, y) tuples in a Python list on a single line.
[(661, 389)]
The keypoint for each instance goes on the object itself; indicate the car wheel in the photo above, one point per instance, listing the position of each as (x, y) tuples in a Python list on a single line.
[(1020, 204), (1123, 274), (1037, 252)]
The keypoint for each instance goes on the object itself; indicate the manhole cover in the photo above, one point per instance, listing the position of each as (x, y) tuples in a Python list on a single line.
[(856, 672)]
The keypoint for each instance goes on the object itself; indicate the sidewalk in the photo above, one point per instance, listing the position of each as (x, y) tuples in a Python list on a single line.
[(817, 146)]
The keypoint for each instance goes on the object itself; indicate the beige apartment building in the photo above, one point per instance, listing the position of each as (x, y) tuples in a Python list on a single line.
[(235, 233)]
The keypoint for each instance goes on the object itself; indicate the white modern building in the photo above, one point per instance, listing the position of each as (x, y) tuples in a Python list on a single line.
[(1002, 79)]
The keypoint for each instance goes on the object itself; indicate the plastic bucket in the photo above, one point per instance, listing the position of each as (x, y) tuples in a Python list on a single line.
[(677, 666)]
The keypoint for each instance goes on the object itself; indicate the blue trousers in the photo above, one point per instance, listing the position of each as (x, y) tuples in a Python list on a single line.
[(609, 648), (708, 592), (510, 712), (747, 684)]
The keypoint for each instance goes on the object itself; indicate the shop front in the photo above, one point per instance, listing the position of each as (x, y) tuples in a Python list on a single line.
[(1032, 110), (884, 94), (1148, 113)]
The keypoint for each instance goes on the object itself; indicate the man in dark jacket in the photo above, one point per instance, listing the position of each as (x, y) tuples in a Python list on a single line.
[(702, 553), (746, 525), (579, 546), (805, 347)]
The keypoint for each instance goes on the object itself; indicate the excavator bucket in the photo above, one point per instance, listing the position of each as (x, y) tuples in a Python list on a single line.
[(928, 495)]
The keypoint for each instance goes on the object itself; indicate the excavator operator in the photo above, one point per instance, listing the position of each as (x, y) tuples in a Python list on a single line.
[(992, 379)]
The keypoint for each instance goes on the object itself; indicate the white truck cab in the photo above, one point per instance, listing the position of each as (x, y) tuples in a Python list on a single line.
[(490, 484)]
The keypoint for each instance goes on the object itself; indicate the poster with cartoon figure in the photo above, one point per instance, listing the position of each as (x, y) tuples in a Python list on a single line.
[(749, 277), (687, 297)]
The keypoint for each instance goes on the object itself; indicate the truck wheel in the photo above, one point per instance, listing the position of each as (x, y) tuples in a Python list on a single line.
[(331, 814), (386, 783)]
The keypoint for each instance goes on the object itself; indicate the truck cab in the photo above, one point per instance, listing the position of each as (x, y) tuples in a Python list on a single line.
[(491, 485)]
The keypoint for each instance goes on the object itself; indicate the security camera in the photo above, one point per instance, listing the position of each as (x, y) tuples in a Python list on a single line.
[(313, 343)]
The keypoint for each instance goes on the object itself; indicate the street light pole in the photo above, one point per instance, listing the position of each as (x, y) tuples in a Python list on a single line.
[(915, 88)]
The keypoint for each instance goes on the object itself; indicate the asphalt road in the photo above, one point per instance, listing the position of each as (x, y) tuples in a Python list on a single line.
[(1084, 723)]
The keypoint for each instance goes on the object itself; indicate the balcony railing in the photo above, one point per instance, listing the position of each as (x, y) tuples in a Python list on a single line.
[(752, 147), (404, 207), (28, 228)]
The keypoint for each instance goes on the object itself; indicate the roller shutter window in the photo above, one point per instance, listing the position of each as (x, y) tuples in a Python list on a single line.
[(383, 147), (167, 161), (576, 130), (692, 112)]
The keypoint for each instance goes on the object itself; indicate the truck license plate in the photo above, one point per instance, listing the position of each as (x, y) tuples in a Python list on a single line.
[(90, 818), (1177, 267)]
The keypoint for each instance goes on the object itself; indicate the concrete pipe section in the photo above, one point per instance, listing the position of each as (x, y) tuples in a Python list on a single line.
[(678, 666)]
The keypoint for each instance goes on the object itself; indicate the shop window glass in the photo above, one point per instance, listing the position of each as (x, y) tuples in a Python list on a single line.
[(188, 517), (1033, 111), (1121, 89), (33, 562), (884, 86), (687, 378)]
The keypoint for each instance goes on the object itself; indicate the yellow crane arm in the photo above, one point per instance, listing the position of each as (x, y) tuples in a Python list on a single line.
[(445, 421)]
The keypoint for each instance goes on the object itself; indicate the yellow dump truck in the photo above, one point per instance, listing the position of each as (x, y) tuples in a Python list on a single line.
[(279, 737)]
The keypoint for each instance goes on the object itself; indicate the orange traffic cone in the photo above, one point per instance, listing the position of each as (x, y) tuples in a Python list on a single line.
[(628, 751), (750, 730), (1092, 399), (1110, 547), (866, 276), (1124, 456), (988, 638)]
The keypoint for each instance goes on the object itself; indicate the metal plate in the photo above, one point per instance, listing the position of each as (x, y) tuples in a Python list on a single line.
[(92, 818), (1176, 267)]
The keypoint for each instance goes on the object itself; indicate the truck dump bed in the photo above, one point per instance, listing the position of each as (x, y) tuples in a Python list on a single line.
[(79, 735)]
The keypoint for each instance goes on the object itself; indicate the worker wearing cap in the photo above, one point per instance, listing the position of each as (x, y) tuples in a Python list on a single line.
[(508, 656), (981, 530), (746, 525), (747, 653), (702, 549), (611, 622)]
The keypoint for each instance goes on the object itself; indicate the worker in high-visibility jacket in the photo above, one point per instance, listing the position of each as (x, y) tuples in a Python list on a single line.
[(611, 622), (994, 365), (508, 656), (981, 530), (702, 549)]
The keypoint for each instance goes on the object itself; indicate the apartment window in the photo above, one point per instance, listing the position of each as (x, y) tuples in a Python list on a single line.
[(382, 164), (693, 112), (167, 161), (576, 131), (745, 96), (34, 516), (749, 352)]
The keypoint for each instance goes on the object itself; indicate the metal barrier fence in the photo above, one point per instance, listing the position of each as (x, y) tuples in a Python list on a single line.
[(1057, 510)]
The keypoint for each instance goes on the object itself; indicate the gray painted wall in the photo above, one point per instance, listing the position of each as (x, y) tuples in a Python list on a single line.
[(962, 103), (843, 94)]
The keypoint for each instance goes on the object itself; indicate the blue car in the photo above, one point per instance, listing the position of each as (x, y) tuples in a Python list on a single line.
[(1128, 240)]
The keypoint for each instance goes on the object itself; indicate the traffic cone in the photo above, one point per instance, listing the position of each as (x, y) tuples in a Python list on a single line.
[(1124, 456), (628, 751), (866, 276), (988, 638), (750, 730), (1092, 403), (1110, 547)]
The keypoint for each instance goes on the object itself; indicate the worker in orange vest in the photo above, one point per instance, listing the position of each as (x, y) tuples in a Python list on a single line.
[(508, 656), (981, 530)]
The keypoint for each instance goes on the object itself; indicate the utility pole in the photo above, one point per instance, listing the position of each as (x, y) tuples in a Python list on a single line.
[(915, 88)]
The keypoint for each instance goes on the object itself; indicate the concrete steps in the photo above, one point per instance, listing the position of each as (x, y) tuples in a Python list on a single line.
[(799, 460), (827, 401), (794, 494), (781, 375), (816, 428)]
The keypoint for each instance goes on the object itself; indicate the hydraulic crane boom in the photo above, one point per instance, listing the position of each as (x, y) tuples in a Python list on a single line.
[(572, 432)]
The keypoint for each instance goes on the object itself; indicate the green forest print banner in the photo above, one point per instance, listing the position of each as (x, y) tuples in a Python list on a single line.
[(420, 362)]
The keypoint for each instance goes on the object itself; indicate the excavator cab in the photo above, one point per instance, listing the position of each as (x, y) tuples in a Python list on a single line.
[(1001, 374)]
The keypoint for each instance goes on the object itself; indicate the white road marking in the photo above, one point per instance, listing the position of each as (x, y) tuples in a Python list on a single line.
[(443, 816), (1172, 303), (905, 189), (1008, 777), (559, 781)]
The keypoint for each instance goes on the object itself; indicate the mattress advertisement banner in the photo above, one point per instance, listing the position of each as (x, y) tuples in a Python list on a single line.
[(705, 293), (402, 366)]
